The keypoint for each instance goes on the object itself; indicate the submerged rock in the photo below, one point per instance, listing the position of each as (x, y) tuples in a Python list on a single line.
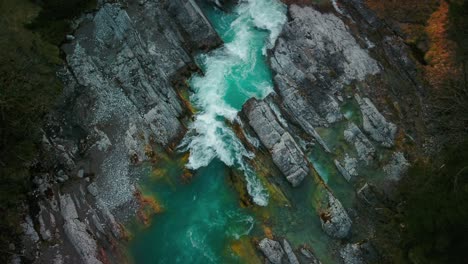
[(342, 170), (290, 253), (311, 259)]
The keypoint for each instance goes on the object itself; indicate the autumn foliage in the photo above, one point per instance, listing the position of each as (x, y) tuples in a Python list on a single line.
[(441, 54)]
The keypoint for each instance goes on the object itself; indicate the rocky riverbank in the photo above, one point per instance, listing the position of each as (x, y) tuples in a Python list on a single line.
[(123, 62), (323, 63), (345, 85)]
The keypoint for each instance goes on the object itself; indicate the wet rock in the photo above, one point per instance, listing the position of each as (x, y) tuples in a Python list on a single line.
[(289, 252), (350, 165), (28, 229), (218, 3), (296, 103), (193, 22), (335, 220), (364, 148), (375, 123), (342, 170), (285, 152), (397, 167), (80, 173), (311, 259), (273, 251)]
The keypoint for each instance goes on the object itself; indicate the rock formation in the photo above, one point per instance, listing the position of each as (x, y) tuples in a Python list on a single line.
[(122, 64)]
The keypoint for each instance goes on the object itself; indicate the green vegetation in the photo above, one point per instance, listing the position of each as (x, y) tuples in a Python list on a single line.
[(435, 214), (29, 57), (428, 221), (435, 210), (458, 12)]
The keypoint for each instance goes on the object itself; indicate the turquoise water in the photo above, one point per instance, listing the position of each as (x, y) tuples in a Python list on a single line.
[(198, 221), (202, 221), (232, 74)]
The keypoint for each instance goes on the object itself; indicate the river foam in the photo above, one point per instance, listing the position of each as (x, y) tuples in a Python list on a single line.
[(232, 74)]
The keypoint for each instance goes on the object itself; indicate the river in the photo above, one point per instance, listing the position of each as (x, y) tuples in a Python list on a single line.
[(202, 221)]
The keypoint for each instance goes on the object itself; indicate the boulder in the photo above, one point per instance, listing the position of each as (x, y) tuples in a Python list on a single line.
[(311, 259), (335, 220), (364, 148), (342, 170), (315, 56), (289, 252), (77, 232), (375, 124), (273, 251), (358, 253), (397, 167), (285, 152), (351, 254)]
